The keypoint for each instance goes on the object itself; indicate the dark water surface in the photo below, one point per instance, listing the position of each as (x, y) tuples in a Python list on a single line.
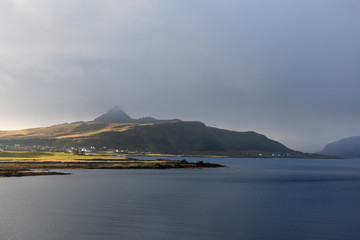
[(251, 199)]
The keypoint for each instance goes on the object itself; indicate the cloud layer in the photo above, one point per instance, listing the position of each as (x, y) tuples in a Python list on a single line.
[(287, 69)]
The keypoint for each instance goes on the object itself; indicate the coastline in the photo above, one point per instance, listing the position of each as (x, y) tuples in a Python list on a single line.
[(21, 168)]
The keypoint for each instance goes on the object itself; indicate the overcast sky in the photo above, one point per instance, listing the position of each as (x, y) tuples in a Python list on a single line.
[(289, 69)]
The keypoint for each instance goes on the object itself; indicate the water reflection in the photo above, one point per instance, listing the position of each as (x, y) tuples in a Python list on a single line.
[(251, 199)]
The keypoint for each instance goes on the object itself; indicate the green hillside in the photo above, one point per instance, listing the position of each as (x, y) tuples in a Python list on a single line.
[(168, 138)]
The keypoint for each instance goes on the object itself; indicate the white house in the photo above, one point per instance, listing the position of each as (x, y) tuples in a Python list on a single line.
[(85, 150)]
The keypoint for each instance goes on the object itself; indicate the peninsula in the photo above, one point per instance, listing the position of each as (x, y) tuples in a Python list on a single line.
[(18, 164)]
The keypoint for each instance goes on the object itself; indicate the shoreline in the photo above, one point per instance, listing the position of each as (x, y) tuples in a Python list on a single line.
[(22, 168)]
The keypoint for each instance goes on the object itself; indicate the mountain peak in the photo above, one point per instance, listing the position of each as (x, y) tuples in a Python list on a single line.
[(116, 111), (114, 115)]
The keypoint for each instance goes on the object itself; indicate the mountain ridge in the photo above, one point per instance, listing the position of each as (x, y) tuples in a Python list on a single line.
[(346, 147), (183, 137), (149, 135)]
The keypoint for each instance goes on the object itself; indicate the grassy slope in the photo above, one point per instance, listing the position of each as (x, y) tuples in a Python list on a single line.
[(20, 155), (53, 132), (170, 137), (185, 138), (65, 131)]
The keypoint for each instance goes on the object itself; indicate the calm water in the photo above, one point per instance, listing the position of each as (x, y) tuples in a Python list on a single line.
[(251, 199)]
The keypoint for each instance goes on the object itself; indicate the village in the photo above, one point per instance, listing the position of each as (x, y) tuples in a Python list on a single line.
[(92, 150), (72, 150)]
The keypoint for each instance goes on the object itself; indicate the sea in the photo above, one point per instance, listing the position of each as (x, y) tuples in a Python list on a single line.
[(258, 199)]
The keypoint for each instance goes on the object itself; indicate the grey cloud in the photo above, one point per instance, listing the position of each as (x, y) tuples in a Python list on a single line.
[(283, 68)]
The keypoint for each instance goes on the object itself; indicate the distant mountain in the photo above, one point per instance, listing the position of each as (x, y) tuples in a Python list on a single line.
[(183, 137), (116, 115), (117, 130), (346, 147)]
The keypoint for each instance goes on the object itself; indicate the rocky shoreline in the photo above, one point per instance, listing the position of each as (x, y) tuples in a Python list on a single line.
[(41, 168)]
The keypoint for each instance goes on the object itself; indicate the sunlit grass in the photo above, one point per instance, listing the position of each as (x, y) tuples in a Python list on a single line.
[(20, 164), (23, 155), (70, 131), (112, 127)]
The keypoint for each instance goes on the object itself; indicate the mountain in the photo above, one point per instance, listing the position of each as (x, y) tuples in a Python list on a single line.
[(184, 138), (346, 147), (173, 137), (116, 115)]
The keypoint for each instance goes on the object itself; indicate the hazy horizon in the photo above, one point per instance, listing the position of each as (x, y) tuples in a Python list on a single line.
[(285, 69)]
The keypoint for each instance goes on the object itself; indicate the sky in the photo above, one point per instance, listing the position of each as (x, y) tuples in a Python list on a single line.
[(286, 69)]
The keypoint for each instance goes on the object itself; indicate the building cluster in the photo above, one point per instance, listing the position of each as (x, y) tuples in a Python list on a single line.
[(39, 148), (69, 149)]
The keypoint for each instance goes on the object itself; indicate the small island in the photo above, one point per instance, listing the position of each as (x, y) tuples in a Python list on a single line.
[(19, 164)]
